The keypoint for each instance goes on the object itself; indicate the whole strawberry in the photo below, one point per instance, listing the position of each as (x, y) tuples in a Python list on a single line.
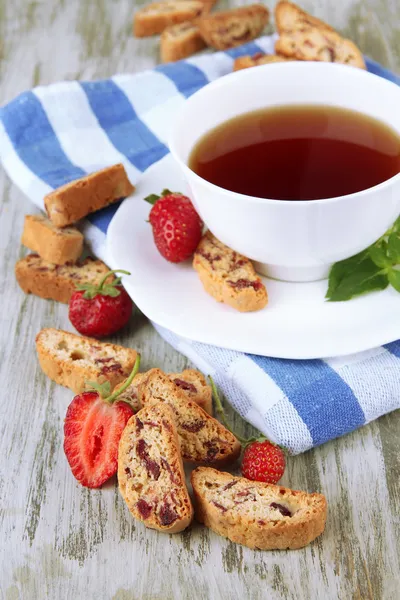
[(177, 228), (263, 461), (100, 310), (92, 429)]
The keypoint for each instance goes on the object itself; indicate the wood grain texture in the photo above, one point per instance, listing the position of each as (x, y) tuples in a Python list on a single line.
[(60, 541)]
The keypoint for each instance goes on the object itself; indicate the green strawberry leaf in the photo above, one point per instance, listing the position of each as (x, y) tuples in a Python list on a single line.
[(394, 279), (110, 290), (166, 192), (152, 198), (362, 278), (103, 389), (104, 289)]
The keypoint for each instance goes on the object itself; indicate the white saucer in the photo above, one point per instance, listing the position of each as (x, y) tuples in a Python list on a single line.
[(297, 323)]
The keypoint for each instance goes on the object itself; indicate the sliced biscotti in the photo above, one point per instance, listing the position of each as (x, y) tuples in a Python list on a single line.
[(318, 45), (72, 360), (255, 514), (290, 17), (202, 438), (231, 28), (131, 393), (245, 62), (191, 382), (153, 18), (151, 478), (303, 37), (75, 200), (57, 246), (180, 41), (228, 276), (56, 282), (195, 386)]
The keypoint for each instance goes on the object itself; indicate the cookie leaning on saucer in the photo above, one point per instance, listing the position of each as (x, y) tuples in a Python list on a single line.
[(151, 478), (258, 515), (228, 276), (72, 360)]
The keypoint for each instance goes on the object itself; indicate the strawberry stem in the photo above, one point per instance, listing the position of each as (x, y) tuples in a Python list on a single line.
[(126, 383), (220, 410), (104, 289), (107, 275)]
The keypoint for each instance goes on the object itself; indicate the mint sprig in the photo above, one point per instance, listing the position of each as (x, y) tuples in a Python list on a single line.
[(371, 270)]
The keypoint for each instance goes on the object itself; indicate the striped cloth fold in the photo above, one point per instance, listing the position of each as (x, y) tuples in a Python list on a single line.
[(52, 135)]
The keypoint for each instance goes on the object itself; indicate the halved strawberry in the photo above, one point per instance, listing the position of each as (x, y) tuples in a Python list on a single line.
[(92, 429)]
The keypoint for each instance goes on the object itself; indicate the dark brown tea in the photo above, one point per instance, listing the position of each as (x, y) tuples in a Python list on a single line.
[(298, 153)]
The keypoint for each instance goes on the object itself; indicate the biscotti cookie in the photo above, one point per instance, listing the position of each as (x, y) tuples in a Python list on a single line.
[(56, 282), (191, 382), (57, 246), (131, 393), (202, 438), (72, 360), (180, 41), (319, 45), (154, 18), (257, 515), (223, 30), (245, 62), (151, 478), (303, 37), (76, 199), (195, 386), (228, 276), (290, 17)]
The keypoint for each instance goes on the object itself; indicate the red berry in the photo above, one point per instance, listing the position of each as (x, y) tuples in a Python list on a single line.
[(263, 461), (177, 228), (98, 311), (92, 430)]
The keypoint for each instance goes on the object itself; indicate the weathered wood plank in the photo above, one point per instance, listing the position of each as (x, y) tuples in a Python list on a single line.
[(62, 541)]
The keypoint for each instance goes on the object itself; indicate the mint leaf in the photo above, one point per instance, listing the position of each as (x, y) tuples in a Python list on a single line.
[(368, 271), (379, 255), (394, 279), (361, 278), (396, 225), (342, 269), (394, 247)]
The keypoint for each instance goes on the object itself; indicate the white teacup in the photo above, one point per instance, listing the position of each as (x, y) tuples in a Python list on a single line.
[(293, 241)]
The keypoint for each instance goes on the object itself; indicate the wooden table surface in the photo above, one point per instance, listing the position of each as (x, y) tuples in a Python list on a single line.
[(61, 541)]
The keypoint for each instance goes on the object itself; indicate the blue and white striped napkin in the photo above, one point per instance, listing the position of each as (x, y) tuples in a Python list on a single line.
[(54, 134)]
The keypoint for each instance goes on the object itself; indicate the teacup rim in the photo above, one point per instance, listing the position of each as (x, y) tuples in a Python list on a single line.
[(283, 65)]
